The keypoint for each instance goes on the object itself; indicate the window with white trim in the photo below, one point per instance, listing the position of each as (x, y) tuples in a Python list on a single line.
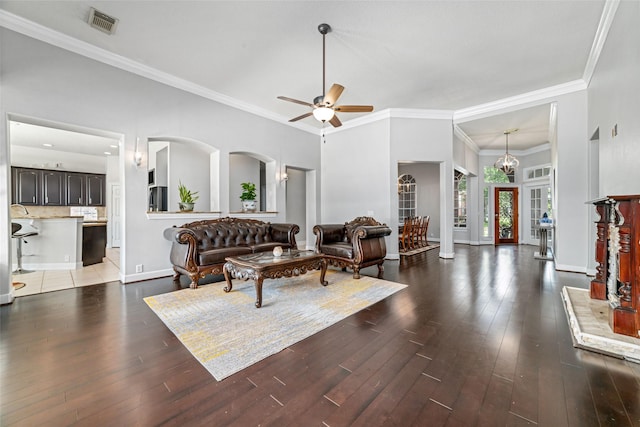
[(406, 197), (459, 200), (536, 172)]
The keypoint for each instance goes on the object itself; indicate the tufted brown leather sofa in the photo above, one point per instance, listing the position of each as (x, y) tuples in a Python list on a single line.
[(200, 248), (356, 244)]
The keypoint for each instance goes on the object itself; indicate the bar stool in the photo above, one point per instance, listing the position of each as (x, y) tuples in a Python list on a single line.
[(15, 233)]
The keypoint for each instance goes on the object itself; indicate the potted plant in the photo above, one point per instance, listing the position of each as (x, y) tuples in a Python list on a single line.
[(187, 197), (248, 197)]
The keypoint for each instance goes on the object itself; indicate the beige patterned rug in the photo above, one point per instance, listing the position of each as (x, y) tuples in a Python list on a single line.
[(226, 333), (589, 323)]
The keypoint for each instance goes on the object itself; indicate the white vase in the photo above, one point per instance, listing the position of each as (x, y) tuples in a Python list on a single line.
[(185, 207), (248, 206)]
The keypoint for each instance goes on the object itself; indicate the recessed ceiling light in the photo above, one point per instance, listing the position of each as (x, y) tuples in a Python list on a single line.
[(113, 146), (107, 153), (47, 145)]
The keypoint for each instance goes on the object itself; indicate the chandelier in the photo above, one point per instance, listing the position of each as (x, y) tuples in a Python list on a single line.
[(507, 163)]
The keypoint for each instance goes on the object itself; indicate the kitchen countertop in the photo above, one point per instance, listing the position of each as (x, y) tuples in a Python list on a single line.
[(46, 217)]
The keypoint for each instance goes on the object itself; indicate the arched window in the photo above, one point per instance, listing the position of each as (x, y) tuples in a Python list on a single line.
[(406, 197), (459, 200)]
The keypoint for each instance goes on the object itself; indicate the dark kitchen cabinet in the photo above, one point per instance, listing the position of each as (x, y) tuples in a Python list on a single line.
[(27, 184), (42, 187), (85, 189), (95, 190), (76, 189), (52, 188), (94, 243)]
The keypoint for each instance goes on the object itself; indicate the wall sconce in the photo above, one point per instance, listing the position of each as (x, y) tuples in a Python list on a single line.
[(282, 176), (137, 155)]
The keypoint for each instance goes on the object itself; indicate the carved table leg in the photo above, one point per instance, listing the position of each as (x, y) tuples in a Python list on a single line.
[(227, 277), (380, 270), (258, 284), (323, 271)]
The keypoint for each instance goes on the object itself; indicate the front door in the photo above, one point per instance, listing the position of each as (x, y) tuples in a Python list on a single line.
[(506, 215)]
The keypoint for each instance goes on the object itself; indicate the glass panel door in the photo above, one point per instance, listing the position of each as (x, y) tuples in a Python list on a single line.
[(506, 215)]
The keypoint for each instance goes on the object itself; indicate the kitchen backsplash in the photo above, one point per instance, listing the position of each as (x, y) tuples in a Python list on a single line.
[(53, 211)]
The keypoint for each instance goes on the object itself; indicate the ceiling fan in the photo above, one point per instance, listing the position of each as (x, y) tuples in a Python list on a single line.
[(324, 106)]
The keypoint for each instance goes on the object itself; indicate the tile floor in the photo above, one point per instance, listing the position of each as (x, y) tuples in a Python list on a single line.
[(54, 280)]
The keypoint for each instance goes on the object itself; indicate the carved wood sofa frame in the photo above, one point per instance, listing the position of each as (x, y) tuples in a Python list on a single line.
[(356, 244), (199, 248)]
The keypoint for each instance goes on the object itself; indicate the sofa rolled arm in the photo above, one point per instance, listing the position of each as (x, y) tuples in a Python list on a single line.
[(183, 249), (285, 233), (179, 235), (371, 231)]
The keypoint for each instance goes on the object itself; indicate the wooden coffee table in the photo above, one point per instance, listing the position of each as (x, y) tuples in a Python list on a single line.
[(265, 265)]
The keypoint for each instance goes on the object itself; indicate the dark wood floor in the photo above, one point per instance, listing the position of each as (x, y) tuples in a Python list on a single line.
[(479, 340)]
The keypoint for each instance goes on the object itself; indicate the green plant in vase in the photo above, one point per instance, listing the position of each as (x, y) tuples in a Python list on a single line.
[(187, 197), (248, 197)]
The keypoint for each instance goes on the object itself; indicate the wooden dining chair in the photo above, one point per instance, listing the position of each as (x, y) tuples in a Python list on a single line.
[(405, 237), (424, 228), (415, 232)]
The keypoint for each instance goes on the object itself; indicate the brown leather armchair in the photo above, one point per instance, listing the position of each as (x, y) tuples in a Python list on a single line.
[(356, 244)]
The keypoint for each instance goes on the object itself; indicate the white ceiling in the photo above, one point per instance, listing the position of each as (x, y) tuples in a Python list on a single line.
[(441, 55), (46, 137)]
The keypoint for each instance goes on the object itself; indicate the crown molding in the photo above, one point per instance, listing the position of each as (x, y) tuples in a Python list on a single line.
[(462, 135), (518, 101), (63, 41), (606, 19), (413, 113), (396, 113)]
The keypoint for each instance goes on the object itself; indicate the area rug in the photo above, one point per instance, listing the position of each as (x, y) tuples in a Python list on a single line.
[(227, 333), (589, 324), (418, 250)]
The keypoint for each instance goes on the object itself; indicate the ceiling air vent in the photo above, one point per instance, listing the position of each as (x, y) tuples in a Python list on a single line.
[(102, 21)]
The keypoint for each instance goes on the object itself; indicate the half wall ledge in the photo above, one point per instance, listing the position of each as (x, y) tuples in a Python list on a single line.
[(187, 216)]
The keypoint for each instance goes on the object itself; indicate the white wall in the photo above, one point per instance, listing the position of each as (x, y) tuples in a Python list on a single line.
[(614, 98), (355, 174), (571, 214), (42, 81), (296, 203), (190, 166)]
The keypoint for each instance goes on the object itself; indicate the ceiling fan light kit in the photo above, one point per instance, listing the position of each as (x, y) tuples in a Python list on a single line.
[(323, 106), (323, 114), (507, 163)]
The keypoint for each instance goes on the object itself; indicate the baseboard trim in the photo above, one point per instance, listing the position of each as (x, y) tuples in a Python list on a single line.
[(148, 275), (446, 255), (571, 268), (7, 298)]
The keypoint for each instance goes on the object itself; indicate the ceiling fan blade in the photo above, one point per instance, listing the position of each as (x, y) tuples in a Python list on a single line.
[(304, 116), (334, 93), (335, 121), (354, 108), (296, 101)]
